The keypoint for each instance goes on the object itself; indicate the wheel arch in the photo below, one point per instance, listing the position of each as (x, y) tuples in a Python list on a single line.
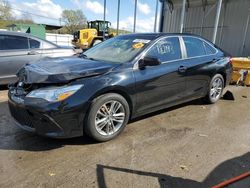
[(223, 74), (118, 90)]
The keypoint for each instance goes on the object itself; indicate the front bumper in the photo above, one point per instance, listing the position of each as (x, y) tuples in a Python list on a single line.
[(57, 120)]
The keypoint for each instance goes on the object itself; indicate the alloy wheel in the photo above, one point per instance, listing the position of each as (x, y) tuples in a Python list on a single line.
[(216, 88), (110, 118)]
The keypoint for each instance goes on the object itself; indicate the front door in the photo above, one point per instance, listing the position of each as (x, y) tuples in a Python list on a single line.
[(164, 84)]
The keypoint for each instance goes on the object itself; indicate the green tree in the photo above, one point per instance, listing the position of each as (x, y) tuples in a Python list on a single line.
[(5, 10), (74, 20)]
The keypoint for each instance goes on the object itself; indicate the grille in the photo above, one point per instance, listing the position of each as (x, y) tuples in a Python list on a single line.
[(21, 115)]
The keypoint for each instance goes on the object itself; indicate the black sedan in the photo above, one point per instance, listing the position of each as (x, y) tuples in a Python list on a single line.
[(119, 79)]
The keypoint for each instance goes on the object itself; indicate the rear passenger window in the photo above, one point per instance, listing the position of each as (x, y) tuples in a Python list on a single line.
[(209, 49), (194, 47), (166, 49), (9, 42), (34, 43)]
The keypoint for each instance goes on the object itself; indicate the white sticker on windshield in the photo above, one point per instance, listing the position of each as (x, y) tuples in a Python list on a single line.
[(141, 40)]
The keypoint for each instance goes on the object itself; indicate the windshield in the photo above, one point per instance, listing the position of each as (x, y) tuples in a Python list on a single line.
[(117, 50), (103, 27)]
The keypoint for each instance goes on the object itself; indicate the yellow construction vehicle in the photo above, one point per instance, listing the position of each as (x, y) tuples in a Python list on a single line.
[(86, 38), (241, 71)]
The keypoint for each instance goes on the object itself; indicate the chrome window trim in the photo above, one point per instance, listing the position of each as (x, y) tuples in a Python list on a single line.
[(14, 50), (182, 46), (149, 47), (201, 39), (8, 76)]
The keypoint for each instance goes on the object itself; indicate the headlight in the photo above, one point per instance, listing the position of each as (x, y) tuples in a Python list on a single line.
[(53, 94)]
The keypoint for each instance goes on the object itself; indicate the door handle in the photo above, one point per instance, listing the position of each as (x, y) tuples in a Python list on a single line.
[(182, 69), (32, 53)]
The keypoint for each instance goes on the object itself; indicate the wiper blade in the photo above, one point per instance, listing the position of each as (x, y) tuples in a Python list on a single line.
[(83, 56), (86, 57)]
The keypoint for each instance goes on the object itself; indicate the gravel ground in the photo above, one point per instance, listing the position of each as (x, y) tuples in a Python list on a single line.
[(191, 145)]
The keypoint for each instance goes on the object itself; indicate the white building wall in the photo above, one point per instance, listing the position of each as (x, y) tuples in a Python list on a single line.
[(60, 39)]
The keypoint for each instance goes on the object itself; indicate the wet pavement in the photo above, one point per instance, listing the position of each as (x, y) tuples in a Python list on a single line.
[(191, 145)]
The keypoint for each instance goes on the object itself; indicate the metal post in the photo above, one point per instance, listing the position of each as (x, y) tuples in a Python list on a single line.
[(182, 15), (222, 23), (245, 34), (162, 16), (104, 19), (170, 29), (217, 18), (118, 17), (204, 4), (135, 15), (156, 15), (202, 22)]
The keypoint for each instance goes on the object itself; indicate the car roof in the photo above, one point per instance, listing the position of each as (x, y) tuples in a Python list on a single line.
[(21, 34), (158, 35), (17, 34), (148, 35), (154, 36)]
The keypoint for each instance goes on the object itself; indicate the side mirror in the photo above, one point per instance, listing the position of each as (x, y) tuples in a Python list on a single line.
[(148, 61)]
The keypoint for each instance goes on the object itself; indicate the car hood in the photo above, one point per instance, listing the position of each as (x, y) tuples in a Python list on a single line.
[(62, 70)]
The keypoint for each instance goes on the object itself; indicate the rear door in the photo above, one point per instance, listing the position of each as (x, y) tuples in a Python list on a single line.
[(163, 84), (200, 57)]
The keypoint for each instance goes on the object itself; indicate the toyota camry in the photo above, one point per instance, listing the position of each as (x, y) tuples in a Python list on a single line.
[(119, 79)]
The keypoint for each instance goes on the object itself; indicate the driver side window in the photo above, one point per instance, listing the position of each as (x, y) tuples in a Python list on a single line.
[(166, 49)]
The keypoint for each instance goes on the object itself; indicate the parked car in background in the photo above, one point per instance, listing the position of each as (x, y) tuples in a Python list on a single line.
[(18, 49), (119, 79)]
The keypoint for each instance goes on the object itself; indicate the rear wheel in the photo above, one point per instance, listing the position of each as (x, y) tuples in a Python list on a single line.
[(215, 89), (107, 117)]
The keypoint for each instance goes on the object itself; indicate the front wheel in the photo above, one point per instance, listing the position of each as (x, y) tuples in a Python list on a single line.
[(215, 89), (107, 117)]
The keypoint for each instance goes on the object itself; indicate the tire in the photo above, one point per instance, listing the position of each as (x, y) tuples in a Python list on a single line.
[(97, 41), (103, 122), (216, 87)]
